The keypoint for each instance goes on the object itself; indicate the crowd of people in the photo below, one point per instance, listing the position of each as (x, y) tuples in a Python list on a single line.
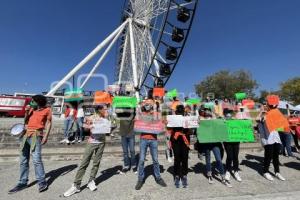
[(273, 127)]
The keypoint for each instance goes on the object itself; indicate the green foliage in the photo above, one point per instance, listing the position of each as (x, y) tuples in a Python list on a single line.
[(290, 90), (226, 83)]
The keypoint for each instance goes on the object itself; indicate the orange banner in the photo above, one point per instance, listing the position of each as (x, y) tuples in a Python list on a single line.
[(158, 92), (102, 98)]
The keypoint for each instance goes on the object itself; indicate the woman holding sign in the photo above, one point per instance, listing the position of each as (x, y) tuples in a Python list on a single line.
[(214, 147), (181, 145), (232, 150), (99, 126), (271, 120)]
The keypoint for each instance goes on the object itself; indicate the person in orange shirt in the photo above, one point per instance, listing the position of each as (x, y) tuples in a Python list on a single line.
[(37, 118), (149, 140)]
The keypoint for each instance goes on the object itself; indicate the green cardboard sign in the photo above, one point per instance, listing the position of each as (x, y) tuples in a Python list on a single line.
[(124, 102), (193, 101), (240, 96), (225, 131), (212, 131), (172, 93), (240, 131), (74, 95)]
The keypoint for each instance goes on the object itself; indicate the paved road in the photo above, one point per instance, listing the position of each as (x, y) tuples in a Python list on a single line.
[(114, 186)]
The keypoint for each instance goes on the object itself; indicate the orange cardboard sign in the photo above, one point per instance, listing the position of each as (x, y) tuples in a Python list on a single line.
[(102, 98), (158, 92)]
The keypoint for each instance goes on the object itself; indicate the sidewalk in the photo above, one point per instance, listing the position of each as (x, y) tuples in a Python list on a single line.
[(111, 185)]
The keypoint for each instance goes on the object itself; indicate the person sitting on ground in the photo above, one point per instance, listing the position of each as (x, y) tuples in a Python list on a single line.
[(94, 149)]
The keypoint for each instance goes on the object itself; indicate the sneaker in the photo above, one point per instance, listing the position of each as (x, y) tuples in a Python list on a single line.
[(139, 185), (17, 188), (184, 181), (210, 180), (63, 141), (161, 182), (170, 159), (237, 176), (177, 181), (227, 176), (280, 177), (71, 191), (67, 141), (43, 187), (268, 176), (92, 186), (79, 141), (226, 183), (124, 170), (134, 170)]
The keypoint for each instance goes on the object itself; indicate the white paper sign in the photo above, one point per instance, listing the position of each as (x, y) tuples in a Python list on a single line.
[(182, 121), (191, 122), (175, 121), (101, 126)]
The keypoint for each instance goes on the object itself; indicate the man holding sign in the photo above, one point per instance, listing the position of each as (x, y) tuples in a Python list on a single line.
[(99, 126), (149, 140)]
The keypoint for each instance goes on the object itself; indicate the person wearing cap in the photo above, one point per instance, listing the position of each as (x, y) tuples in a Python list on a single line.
[(273, 122), (93, 150), (38, 118)]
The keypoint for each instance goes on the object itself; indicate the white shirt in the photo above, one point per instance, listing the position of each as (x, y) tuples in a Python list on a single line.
[(80, 113), (272, 139)]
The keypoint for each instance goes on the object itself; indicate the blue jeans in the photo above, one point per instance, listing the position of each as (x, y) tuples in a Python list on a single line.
[(68, 126), (128, 142), (79, 124), (37, 161), (152, 144), (286, 139), (217, 154)]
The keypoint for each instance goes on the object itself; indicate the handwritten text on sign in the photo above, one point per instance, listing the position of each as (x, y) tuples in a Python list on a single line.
[(240, 131), (182, 121), (226, 131), (101, 126)]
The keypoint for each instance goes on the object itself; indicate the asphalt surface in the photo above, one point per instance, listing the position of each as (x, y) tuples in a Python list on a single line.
[(112, 185)]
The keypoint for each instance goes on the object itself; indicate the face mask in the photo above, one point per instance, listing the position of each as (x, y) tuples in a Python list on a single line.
[(33, 105)]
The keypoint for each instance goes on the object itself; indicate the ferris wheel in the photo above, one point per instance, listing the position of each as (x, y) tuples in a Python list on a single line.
[(150, 40)]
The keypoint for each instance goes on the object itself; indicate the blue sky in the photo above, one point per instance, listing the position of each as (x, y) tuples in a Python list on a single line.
[(41, 40)]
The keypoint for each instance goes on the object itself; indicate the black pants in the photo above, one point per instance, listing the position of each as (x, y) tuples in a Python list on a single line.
[(181, 156), (296, 141), (232, 160), (272, 153)]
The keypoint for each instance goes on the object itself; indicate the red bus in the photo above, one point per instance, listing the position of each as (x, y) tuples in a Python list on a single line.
[(13, 106)]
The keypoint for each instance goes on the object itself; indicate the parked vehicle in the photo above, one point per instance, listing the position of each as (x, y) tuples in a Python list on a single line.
[(13, 106)]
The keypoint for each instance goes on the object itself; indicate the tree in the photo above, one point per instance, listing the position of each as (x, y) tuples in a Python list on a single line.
[(290, 90), (226, 83)]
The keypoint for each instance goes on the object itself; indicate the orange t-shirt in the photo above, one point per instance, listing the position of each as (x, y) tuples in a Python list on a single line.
[(38, 119), (148, 136)]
